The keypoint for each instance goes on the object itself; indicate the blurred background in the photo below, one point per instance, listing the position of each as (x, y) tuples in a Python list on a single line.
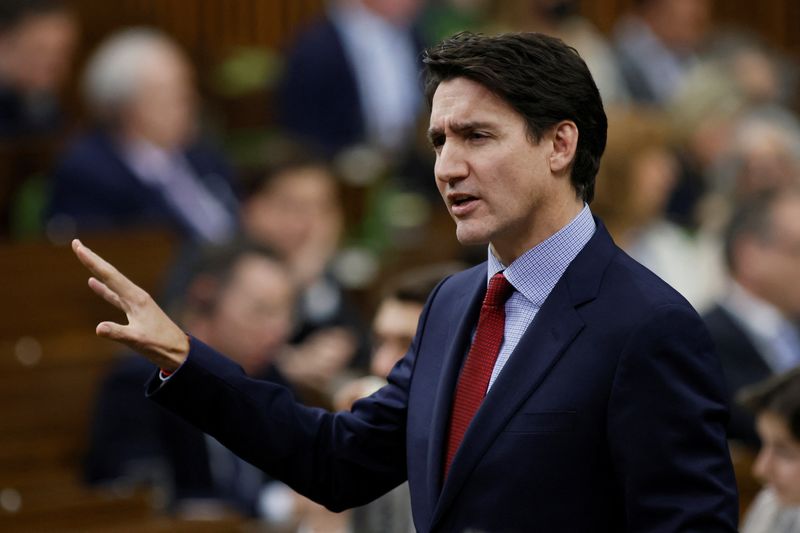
[(187, 140)]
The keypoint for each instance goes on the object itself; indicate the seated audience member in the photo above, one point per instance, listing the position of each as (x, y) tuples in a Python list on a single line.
[(353, 77), (37, 40), (637, 176), (296, 209), (754, 324), (240, 299), (393, 328), (776, 405), (656, 45), (143, 165), (764, 154)]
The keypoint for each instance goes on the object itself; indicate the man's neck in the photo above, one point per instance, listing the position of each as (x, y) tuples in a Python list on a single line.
[(551, 224)]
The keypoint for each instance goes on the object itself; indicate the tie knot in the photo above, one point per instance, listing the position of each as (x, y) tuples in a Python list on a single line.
[(499, 291)]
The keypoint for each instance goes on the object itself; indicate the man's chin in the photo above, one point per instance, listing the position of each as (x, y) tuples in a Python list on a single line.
[(470, 238)]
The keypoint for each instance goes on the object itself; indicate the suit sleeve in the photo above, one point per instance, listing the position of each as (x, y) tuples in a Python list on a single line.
[(340, 460), (666, 428)]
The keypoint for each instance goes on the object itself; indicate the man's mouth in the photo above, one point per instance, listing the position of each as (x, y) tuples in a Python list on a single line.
[(462, 204)]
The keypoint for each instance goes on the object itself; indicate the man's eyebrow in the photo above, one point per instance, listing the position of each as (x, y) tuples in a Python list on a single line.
[(460, 128), (434, 133)]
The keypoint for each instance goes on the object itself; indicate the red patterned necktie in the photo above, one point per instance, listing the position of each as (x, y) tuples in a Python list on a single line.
[(474, 379)]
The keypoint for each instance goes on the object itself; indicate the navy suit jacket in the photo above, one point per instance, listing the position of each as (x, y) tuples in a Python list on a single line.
[(94, 187), (609, 416)]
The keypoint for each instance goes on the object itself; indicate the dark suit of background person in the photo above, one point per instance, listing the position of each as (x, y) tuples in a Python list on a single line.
[(133, 441), (553, 448), (742, 365), (319, 99), (96, 189)]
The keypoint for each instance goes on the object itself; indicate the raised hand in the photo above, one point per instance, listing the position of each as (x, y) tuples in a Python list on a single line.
[(149, 330)]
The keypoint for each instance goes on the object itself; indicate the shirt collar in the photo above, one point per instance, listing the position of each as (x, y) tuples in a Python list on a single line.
[(536, 272)]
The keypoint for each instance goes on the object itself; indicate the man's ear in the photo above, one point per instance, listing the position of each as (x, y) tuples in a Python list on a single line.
[(565, 143)]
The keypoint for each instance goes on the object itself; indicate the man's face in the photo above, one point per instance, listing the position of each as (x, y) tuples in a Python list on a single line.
[(162, 109), (778, 462), (300, 209), (497, 184), (38, 52), (252, 318), (776, 259), (394, 327)]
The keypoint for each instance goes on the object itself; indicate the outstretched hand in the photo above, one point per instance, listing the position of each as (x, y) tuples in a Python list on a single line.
[(149, 330)]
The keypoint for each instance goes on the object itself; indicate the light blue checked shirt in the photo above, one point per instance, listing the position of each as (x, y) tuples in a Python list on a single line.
[(533, 275)]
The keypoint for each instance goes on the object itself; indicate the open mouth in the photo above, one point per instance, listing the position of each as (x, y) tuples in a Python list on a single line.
[(463, 200), (462, 205)]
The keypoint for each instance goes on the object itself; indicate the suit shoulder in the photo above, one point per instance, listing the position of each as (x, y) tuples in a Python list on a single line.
[(641, 288), (88, 155)]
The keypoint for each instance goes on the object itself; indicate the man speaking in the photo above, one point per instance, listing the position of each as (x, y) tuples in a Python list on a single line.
[(558, 387)]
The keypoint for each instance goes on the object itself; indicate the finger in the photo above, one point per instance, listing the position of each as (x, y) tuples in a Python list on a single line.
[(104, 271), (102, 290)]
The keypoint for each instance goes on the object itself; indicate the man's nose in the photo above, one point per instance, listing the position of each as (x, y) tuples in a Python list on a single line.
[(451, 163)]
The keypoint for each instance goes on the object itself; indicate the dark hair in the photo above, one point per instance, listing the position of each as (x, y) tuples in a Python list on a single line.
[(12, 12), (540, 77), (215, 264), (414, 286), (779, 395), (280, 158)]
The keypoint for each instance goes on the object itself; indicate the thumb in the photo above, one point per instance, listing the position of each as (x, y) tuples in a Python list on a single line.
[(110, 330)]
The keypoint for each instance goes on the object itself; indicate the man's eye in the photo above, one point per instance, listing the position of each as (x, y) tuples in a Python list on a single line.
[(477, 135)]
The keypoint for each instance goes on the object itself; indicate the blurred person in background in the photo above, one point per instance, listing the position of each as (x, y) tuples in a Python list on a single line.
[(657, 43), (295, 207), (562, 19), (241, 297), (754, 325), (637, 176), (37, 42), (776, 406), (734, 95), (353, 77), (143, 166), (763, 154)]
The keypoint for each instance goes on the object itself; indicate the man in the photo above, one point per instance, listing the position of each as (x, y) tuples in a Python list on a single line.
[(753, 326), (657, 44), (352, 77), (37, 41), (605, 410), (143, 166), (239, 298)]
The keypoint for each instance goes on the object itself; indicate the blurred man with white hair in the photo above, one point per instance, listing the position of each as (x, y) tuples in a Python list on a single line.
[(143, 165)]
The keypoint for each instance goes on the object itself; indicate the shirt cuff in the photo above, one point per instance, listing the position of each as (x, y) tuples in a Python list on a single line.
[(276, 503)]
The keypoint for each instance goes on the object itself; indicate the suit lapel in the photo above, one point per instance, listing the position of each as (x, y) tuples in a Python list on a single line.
[(461, 333)]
